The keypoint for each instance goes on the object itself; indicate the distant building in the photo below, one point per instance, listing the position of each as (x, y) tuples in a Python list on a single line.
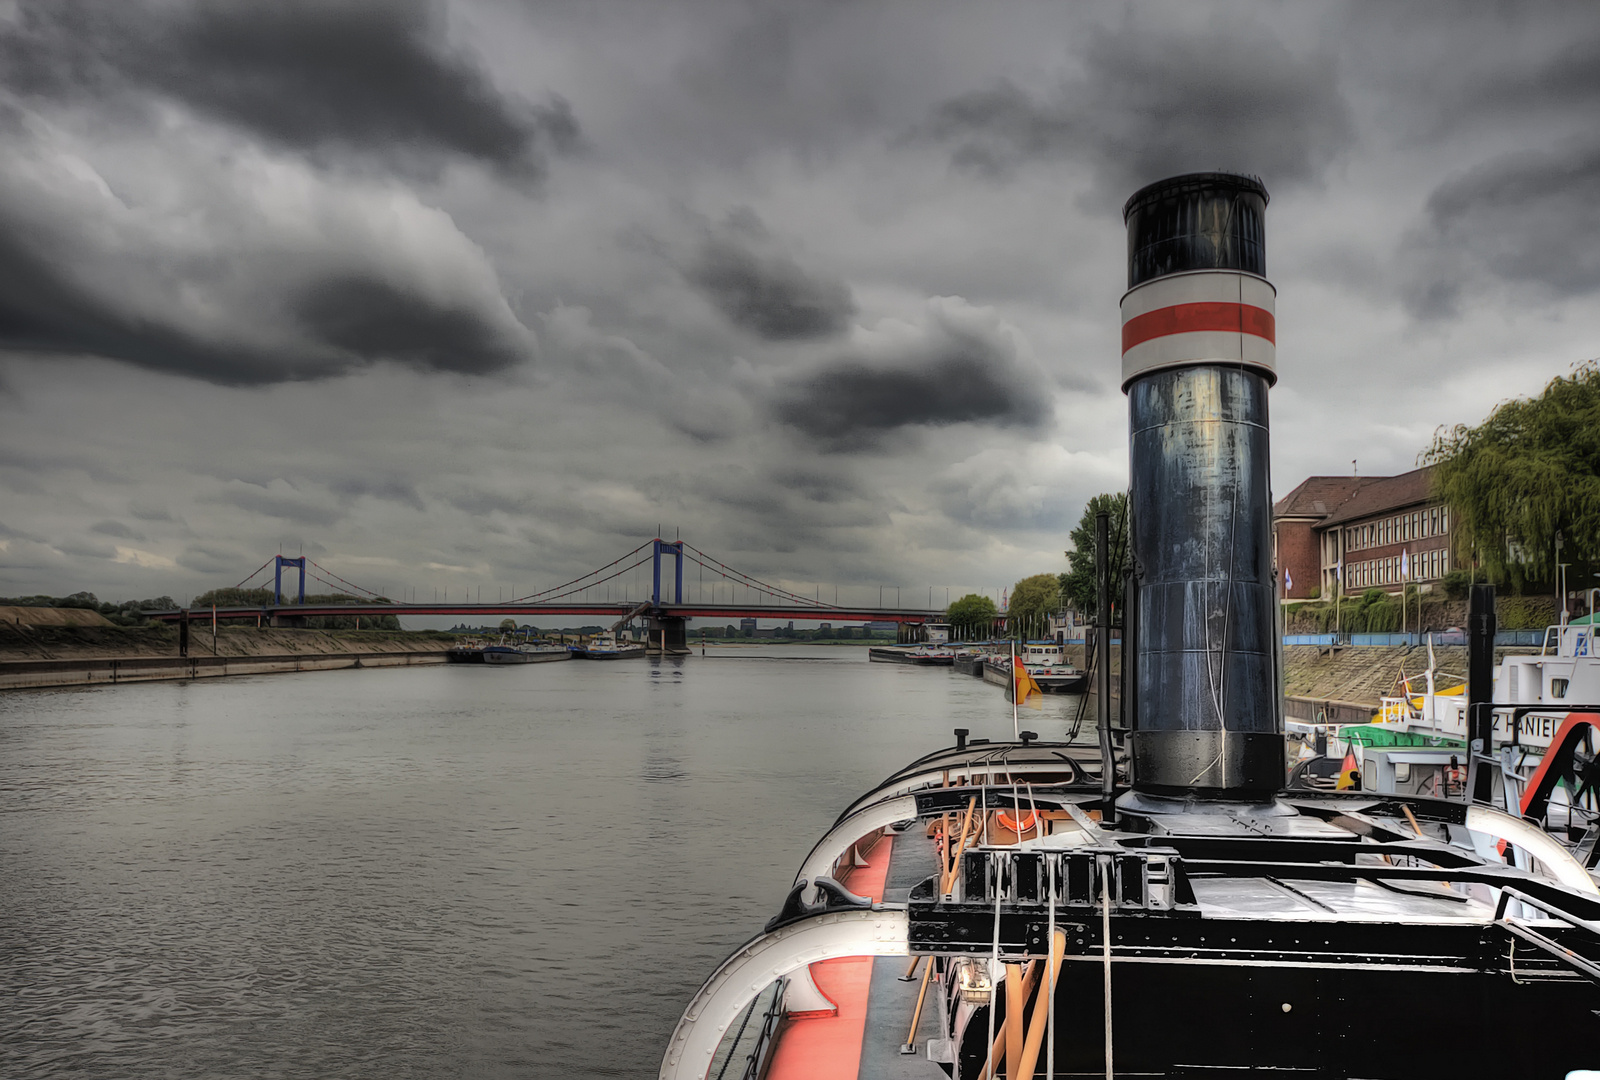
[(824, 629), (1363, 528), (747, 627), (1296, 544), (882, 626), (1393, 519)]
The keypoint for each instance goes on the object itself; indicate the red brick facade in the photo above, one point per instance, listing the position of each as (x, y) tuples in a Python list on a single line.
[(1367, 532)]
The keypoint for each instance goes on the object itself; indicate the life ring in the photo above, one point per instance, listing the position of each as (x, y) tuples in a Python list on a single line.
[(1030, 821)]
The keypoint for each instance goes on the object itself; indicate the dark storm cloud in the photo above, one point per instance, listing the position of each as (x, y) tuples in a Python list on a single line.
[(1150, 103), (115, 528), (958, 370), (767, 292), (374, 320), (307, 74), (362, 319), (1522, 220), (42, 310)]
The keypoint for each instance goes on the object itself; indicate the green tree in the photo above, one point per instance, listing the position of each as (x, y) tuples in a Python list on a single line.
[(1530, 469), (508, 626), (1078, 584), (971, 616), (1032, 599)]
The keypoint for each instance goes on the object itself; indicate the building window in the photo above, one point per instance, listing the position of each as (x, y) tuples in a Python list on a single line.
[(1444, 519)]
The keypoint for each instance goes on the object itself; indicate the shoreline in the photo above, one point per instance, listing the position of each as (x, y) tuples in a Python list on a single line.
[(107, 671)]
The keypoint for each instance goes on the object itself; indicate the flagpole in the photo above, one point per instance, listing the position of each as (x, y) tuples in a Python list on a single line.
[(1016, 725)]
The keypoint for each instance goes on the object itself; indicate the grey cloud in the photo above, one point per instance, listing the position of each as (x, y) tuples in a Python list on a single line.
[(218, 560), (372, 319), (115, 528), (1527, 219), (41, 310), (147, 512), (1150, 103), (389, 489), (766, 291), (83, 550), (478, 502), (958, 369), (363, 319), (307, 74), (1518, 221), (279, 501)]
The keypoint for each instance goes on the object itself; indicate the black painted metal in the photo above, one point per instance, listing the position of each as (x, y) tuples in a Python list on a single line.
[(1480, 688), (1102, 637), (1201, 221), (1206, 707), (1206, 713)]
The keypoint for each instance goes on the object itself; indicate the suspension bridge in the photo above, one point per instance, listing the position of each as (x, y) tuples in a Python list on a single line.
[(665, 613)]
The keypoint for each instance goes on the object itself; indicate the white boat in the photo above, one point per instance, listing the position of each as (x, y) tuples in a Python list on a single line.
[(1046, 662)]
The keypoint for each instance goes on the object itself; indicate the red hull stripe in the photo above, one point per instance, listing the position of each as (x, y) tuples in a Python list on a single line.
[(1188, 318)]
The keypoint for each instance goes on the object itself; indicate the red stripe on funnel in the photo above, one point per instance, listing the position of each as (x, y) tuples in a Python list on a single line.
[(1188, 318)]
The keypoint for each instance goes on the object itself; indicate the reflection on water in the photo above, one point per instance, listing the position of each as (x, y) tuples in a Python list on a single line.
[(442, 871)]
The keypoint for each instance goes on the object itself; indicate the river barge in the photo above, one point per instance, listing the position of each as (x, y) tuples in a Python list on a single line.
[(1157, 904)]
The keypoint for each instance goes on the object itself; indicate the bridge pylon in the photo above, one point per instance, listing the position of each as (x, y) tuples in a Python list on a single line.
[(675, 549)]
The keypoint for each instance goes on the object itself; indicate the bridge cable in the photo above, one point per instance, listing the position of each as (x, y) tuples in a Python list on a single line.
[(531, 597), (569, 592), (254, 572), (342, 581), (758, 584)]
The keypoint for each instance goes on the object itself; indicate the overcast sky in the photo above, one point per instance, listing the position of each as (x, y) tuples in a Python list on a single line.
[(479, 294)]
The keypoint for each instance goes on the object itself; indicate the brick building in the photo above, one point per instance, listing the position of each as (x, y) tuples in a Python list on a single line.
[(1296, 546), (1365, 524), (1391, 532)]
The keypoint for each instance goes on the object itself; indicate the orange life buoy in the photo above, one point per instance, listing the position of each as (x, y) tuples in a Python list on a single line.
[(1029, 821)]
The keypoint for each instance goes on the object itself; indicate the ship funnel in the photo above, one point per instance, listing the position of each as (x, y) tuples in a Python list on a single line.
[(1198, 360)]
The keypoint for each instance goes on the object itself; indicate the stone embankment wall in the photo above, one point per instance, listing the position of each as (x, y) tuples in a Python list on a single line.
[(1513, 613), (78, 655)]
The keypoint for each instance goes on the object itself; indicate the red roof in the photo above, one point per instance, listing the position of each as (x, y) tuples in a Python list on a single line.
[(1319, 496), (1381, 494)]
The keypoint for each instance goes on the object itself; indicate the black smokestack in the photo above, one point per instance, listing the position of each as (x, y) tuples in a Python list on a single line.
[(1198, 360)]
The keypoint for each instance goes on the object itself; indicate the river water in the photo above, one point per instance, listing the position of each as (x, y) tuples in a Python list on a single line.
[(437, 871)]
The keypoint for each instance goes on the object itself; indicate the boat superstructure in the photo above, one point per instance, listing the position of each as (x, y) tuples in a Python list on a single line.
[(1157, 904), (606, 647)]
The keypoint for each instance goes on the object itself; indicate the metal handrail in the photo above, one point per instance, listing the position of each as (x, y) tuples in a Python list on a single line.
[(1560, 953)]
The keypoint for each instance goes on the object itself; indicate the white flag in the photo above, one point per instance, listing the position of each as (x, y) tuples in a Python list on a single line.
[(1288, 580), (1336, 567), (1403, 565)]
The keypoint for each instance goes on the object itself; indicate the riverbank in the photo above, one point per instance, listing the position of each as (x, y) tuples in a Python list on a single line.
[(44, 656)]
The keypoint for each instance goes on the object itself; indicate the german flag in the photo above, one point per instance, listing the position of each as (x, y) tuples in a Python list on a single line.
[(1024, 690), (1349, 772)]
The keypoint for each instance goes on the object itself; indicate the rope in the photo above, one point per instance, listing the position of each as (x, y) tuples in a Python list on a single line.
[(734, 1049), (1050, 971), (1105, 952)]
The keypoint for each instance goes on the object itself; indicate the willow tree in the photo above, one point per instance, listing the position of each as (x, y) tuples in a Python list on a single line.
[(1532, 468)]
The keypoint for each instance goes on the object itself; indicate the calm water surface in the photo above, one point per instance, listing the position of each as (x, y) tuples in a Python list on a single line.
[(439, 871)]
